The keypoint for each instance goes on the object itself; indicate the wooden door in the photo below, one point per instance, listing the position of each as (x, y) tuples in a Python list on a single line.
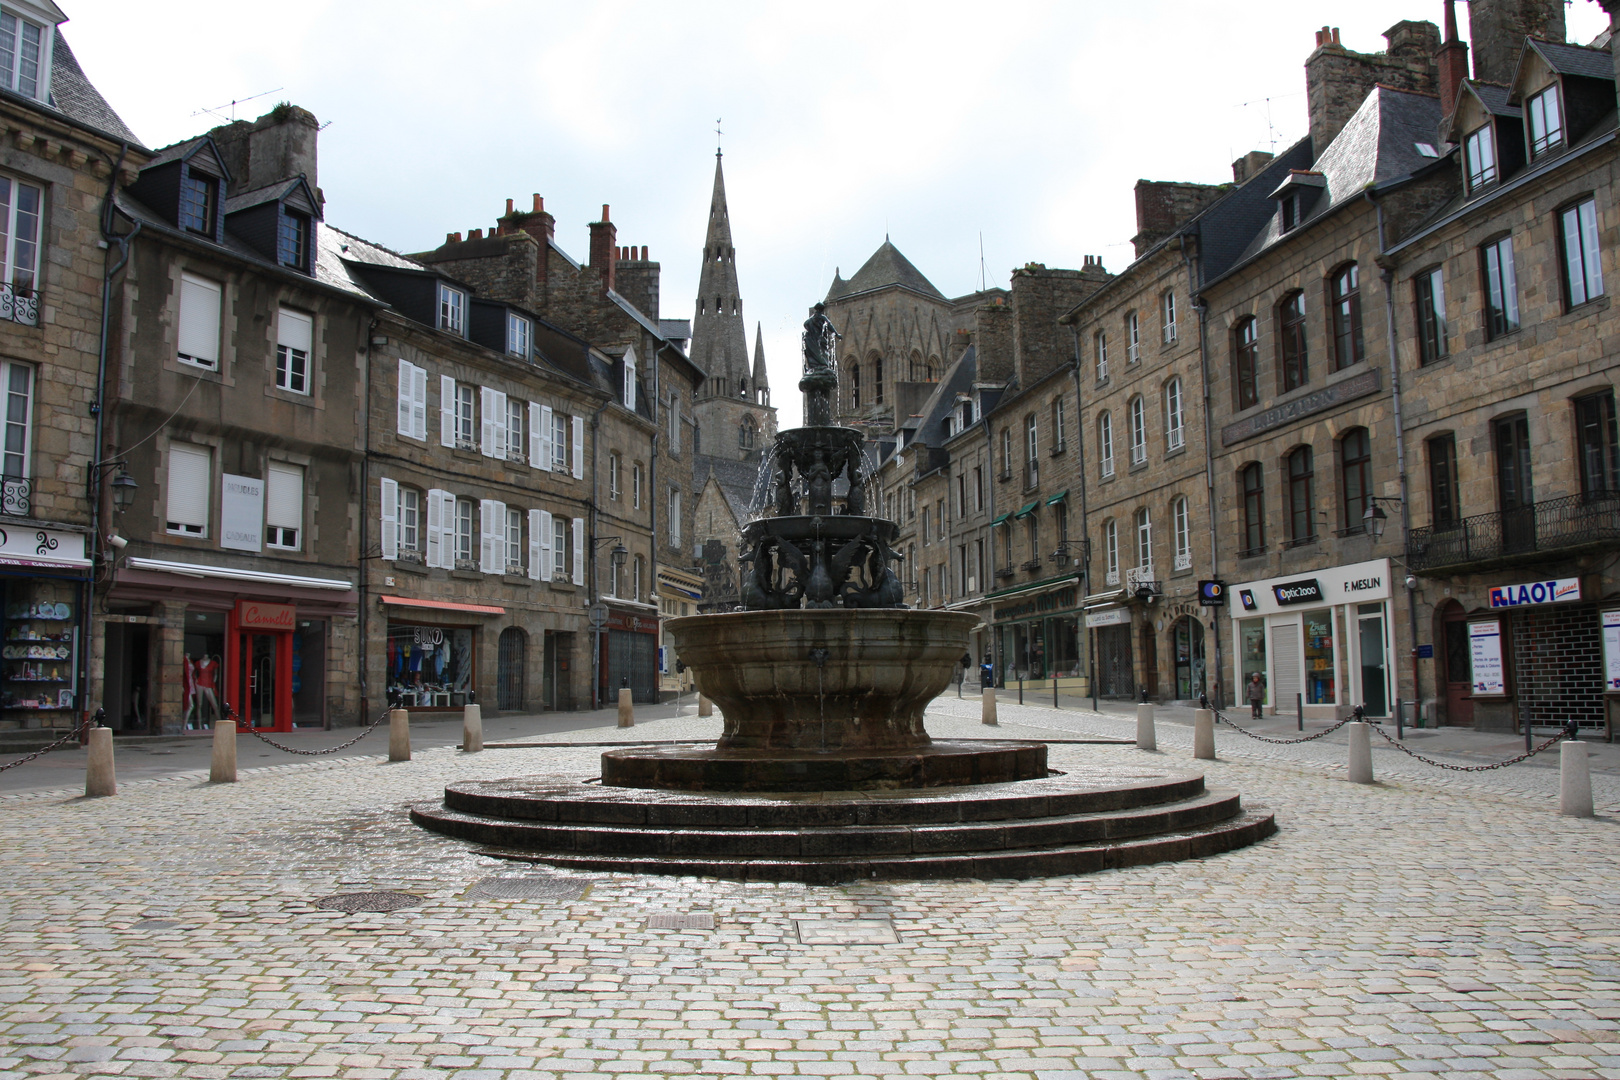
[(1458, 671)]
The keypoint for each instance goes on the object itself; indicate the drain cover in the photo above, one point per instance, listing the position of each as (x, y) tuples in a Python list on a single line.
[(846, 932), (369, 901), (680, 922), (530, 887)]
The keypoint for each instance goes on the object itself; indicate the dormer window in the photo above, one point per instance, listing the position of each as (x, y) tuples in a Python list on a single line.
[(1290, 211), (1546, 121), (1479, 150), (199, 194), (292, 240), (23, 49), (517, 335), (1295, 196), (452, 309)]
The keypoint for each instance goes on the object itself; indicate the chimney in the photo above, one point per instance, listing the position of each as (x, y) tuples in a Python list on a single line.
[(1452, 60), (1249, 165), (1163, 206), (279, 145), (993, 334), (475, 234), (1497, 29), (1337, 80), (604, 251)]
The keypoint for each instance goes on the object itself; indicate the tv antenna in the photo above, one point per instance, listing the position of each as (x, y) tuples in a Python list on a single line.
[(219, 110), (717, 134)]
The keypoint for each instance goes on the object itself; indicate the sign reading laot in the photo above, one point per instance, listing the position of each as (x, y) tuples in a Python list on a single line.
[(1326, 398), (252, 615)]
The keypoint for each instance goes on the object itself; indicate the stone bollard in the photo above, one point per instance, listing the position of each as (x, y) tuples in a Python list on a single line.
[(705, 706), (1146, 738), (1204, 734), (399, 735), (472, 729), (627, 714), (988, 709), (1574, 780), (222, 768), (1360, 771), (99, 778)]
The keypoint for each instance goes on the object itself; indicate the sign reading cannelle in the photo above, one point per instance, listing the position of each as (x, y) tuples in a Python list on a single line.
[(252, 615)]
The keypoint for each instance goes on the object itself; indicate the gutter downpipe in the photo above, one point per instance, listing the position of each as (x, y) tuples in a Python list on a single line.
[(1085, 525), (1209, 465), (590, 555), (365, 532), (1388, 276)]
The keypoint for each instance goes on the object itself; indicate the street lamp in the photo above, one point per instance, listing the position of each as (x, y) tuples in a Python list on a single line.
[(1374, 520), (123, 490)]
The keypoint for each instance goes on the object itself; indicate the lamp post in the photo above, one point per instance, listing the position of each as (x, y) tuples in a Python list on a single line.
[(619, 555)]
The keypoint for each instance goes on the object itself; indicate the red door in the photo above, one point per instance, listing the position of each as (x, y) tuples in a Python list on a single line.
[(258, 666), (1459, 672)]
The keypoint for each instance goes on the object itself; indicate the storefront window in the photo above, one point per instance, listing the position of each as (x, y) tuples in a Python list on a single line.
[(1374, 680), (1252, 649), (1063, 645), (430, 666), (309, 673), (1189, 648), (1319, 668), (203, 674)]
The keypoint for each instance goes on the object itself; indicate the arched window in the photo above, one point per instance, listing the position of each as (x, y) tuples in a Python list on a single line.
[(854, 386), (1111, 551), (1144, 542), (1254, 509), (1301, 496), (1105, 443), (1291, 340), (1099, 346), (1167, 314), (877, 380), (1175, 435), (1031, 451), (747, 433), (742, 388), (917, 372), (1138, 415), (933, 369), (1245, 362), (1181, 527), (1344, 287), (1355, 458), (1133, 337)]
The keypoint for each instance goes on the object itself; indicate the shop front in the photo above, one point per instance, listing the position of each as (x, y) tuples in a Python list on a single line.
[(432, 652), (1321, 641), (1110, 630), (679, 593), (1037, 636), (628, 654), (43, 573)]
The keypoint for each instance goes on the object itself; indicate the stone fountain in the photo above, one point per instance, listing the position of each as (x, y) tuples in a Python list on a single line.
[(823, 770)]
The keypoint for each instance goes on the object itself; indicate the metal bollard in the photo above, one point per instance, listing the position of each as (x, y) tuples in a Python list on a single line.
[(1574, 780), (222, 767), (472, 729), (1204, 734), (1055, 704), (705, 706), (988, 706), (399, 735), (1299, 709), (1146, 737), (99, 777), (627, 713), (1360, 770)]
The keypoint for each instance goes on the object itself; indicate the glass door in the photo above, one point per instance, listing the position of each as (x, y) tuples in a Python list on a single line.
[(1374, 670), (256, 656)]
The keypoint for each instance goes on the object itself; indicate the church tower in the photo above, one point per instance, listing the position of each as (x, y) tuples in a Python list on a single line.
[(734, 413)]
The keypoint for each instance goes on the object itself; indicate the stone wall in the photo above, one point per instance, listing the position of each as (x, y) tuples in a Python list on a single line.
[(1337, 79)]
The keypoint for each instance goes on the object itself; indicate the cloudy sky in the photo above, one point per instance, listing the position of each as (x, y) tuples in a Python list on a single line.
[(1021, 126)]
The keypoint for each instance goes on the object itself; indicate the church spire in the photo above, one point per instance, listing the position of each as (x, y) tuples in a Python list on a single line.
[(719, 336), (762, 383)]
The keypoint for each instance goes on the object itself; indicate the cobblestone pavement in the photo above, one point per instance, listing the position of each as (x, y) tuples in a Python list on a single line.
[(1433, 924)]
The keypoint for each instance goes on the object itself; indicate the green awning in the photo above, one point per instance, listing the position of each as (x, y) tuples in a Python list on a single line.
[(1001, 520), (1029, 508), (1059, 497)]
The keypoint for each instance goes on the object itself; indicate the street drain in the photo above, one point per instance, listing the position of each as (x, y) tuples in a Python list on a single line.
[(680, 922), (368, 901), (529, 887)]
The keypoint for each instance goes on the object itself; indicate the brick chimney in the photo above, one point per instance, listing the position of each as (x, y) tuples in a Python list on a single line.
[(604, 250), (1497, 29), (993, 335), (1338, 80), (1249, 165), (1452, 60), (1163, 206)]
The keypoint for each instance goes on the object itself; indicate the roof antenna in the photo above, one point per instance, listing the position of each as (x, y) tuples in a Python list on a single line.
[(981, 260), (231, 105)]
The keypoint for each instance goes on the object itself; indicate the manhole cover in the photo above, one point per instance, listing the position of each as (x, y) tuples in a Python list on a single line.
[(680, 922), (154, 924), (368, 901), (846, 932), (530, 887)]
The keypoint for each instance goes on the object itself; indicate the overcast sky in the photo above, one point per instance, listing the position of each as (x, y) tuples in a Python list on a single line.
[(939, 123)]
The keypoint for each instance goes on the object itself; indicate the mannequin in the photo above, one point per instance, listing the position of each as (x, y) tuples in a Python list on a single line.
[(188, 701), (207, 677)]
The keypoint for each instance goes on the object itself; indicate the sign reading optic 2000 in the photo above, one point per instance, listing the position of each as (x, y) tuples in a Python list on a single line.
[(1557, 591)]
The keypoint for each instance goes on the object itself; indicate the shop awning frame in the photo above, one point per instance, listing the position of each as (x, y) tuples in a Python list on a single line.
[(230, 573), (1002, 520), (1029, 508), (1059, 497), (441, 605)]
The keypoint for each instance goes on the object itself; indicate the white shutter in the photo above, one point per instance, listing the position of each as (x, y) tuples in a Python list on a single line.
[(579, 551), (447, 411), (435, 528), (539, 436), (547, 556), (419, 403), (674, 423), (189, 469), (295, 330), (200, 302), (674, 517), (390, 518), (486, 536), (497, 528), (630, 380), (407, 389), (503, 432), (486, 431), (284, 497), (537, 555), (447, 526), (579, 448), (545, 437)]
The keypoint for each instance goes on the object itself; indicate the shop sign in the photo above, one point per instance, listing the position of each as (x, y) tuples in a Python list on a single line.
[(1485, 648), (1357, 386), (1611, 651), (41, 547), (1057, 600), (1111, 617), (251, 615), (1557, 591), (1353, 583), (636, 624), (1305, 591), (241, 513)]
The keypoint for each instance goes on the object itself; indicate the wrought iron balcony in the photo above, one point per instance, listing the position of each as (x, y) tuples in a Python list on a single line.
[(19, 306), (1031, 565), (1565, 524), (16, 496)]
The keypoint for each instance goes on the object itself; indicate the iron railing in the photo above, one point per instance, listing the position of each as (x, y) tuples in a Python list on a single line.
[(1551, 525), (19, 307), (16, 496)]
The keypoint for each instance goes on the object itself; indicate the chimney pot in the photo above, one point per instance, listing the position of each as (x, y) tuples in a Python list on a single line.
[(508, 207), (605, 212), (450, 237), (475, 234), (643, 252), (455, 238), (539, 203), (1335, 35)]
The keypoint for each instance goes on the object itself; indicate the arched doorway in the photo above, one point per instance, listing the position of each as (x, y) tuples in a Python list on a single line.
[(1187, 647), (1454, 667), (510, 663)]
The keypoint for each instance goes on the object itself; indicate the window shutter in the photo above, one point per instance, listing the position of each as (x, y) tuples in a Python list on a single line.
[(486, 428), (537, 554), (497, 528), (200, 301), (419, 402), (435, 528), (503, 430), (547, 555), (579, 551), (674, 423), (579, 448), (539, 452), (447, 527), (390, 518), (545, 437), (284, 497), (407, 399), (295, 330), (189, 469), (486, 535), (447, 411)]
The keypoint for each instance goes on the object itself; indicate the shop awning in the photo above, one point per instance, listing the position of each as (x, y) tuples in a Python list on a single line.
[(441, 605), (202, 570), (1059, 497), (1029, 508), (1002, 520)]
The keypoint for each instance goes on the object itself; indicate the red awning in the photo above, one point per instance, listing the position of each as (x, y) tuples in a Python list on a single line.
[(442, 605)]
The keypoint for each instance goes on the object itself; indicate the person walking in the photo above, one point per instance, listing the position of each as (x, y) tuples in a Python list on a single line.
[(1256, 693)]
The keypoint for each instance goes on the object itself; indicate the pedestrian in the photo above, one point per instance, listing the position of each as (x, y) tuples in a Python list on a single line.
[(1257, 693)]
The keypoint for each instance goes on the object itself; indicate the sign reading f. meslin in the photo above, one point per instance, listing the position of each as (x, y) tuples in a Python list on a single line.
[(1307, 405)]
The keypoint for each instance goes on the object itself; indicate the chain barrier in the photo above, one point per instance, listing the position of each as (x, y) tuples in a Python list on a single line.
[(1560, 737), (74, 733), (305, 753), (1266, 738)]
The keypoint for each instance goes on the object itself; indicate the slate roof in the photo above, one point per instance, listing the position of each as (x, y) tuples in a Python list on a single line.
[(1493, 97), (74, 97), (175, 151), (886, 267), (272, 192), (737, 480), (1571, 59), (1226, 227), (958, 379)]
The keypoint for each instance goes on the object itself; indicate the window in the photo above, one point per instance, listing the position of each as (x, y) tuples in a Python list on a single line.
[(1006, 454), (464, 534), (514, 540), (1355, 453), (1301, 496), (629, 387), (190, 479), (1245, 362), (1289, 209), (1099, 344), (1138, 414), (1111, 551), (1183, 533), (1345, 287), (638, 574), (1254, 510), (1060, 522), (1032, 536), (1583, 270), (1479, 151), (1031, 449), (559, 548), (18, 444), (464, 416), (1059, 438), (877, 380), (199, 321), (1105, 444), (1133, 338), (1514, 490), (1598, 447), (412, 401), (1501, 288), (978, 488), (747, 433), (517, 334), (961, 494), (452, 309), (854, 386), (674, 517), (284, 506), (559, 442), (1144, 542), (514, 430), (292, 240), (22, 48), (635, 485), (613, 476), (1291, 341), (1446, 508), (295, 333), (1432, 334), (1168, 309), (410, 519), (199, 194), (1546, 125), (1175, 435)]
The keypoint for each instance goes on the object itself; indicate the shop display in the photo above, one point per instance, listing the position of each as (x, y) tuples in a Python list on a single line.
[(1319, 664), (37, 656), (429, 666)]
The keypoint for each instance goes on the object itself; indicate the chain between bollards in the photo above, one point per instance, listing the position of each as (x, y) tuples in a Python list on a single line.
[(1266, 738), (73, 733), (303, 753)]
